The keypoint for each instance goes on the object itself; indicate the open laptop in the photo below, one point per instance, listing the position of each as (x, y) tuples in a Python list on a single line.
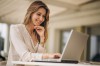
[(73, 49)]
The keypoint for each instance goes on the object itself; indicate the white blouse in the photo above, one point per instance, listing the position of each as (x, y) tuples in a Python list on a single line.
[(22, 47)]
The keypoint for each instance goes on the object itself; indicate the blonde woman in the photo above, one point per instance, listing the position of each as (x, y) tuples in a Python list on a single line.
[(27, 40)]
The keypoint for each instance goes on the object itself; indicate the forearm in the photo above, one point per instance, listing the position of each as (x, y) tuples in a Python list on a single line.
[(31, 56), (42, 41), (45, 56), (51, 55)]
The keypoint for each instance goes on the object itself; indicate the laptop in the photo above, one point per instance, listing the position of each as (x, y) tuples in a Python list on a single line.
[(73, 49)]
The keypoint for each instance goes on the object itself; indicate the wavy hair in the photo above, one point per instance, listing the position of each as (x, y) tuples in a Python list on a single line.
[(32, 9)]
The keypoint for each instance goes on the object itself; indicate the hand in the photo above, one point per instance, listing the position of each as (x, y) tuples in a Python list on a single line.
[(56, 55), (53, 55), (40, 30)]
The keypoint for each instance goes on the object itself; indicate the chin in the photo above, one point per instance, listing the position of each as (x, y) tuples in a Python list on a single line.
[(38, 25)]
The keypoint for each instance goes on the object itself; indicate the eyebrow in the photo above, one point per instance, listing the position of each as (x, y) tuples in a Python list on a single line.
[(41, 13)]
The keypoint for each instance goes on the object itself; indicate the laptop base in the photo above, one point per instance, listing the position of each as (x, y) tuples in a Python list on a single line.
[(69, 61), (62, 61)]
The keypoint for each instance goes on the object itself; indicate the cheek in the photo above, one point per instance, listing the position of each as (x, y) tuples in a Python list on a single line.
[(43, 19), (33, 18)]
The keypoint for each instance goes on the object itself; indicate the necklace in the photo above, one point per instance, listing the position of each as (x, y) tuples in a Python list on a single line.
[(35, 49)]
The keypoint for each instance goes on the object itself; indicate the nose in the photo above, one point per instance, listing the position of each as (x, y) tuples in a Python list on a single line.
[(41, 19)]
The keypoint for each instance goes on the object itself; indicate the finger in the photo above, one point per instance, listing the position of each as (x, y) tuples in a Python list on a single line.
[(37, 26), (56, 56)]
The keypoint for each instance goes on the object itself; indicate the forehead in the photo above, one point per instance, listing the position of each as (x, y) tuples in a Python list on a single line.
[(42, 11)]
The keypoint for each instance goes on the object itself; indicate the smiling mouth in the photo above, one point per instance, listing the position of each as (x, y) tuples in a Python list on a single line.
[(38, 23)]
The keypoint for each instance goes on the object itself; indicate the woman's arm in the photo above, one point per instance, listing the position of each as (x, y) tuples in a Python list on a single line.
[(20, 47)]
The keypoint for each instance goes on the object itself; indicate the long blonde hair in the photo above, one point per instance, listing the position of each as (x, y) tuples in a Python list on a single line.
[(32, 9)]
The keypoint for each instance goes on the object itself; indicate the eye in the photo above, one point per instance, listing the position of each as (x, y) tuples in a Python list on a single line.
[(43, 16), (38, 14)]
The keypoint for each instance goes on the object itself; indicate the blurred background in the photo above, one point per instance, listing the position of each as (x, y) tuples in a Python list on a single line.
[(81, 15)]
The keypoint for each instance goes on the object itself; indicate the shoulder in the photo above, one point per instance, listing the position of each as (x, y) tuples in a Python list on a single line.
[(16, 25)]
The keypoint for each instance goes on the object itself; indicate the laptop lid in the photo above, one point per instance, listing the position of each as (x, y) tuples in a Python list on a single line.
[(74, 46)]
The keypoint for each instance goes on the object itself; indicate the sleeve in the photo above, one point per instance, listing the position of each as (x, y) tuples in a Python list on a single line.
[(41, 49), (20, 47)]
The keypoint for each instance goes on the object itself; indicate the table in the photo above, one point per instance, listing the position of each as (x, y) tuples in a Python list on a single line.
[(51, 64)]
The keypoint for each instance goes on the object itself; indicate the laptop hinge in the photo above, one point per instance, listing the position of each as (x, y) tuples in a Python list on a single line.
[(69, 61)]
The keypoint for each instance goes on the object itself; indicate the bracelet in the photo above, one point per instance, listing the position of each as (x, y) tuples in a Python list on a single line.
[(41, 42)]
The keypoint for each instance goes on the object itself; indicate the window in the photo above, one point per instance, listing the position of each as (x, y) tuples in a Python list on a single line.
[(4, 30), (3, 35), (64, 37)]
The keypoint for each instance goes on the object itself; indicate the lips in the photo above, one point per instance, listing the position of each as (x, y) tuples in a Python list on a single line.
[(37, 22)]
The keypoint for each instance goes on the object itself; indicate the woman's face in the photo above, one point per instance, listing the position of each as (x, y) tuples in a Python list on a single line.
[(39, 16)]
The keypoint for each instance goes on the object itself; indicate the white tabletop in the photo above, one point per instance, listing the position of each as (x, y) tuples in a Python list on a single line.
[(47, 63)]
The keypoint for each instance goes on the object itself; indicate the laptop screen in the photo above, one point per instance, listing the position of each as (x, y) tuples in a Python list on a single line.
[(74, 46)]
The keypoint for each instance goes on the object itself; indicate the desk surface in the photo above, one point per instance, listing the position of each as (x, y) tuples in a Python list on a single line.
[(47, 63)]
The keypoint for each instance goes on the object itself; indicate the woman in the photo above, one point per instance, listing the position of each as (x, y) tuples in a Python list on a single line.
[(27, 40)]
